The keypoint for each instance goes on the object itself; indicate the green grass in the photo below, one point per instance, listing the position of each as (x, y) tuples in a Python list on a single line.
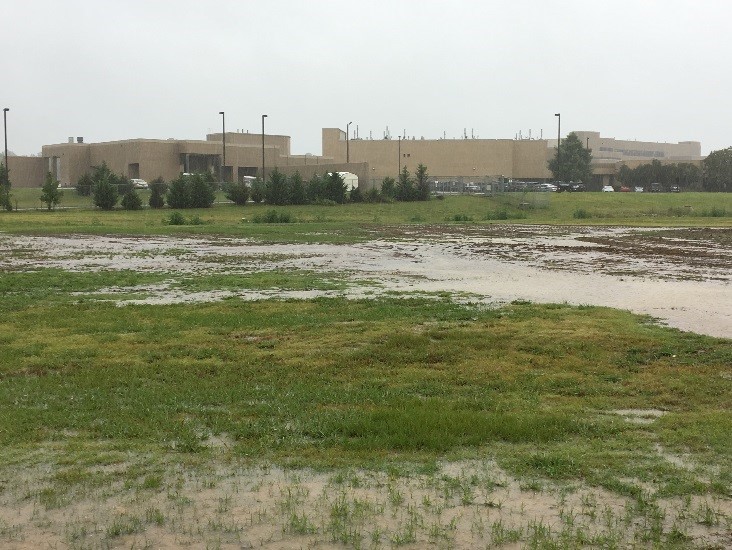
[(352, 222), (330, 382)]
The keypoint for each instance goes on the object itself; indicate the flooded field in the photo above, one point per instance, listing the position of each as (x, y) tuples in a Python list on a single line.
[(680, 277)]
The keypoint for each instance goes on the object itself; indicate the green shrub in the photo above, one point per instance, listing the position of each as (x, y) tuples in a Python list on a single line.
[(581, 214), (132, 200), (105, 194), (157, 193), (175, 218), (459, 218), (238, 193), (272, 216)]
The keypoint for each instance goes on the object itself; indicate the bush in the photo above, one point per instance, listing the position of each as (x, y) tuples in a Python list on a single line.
[(105, 194), (459, 218), (356, 195), (238, 193), (84, 185), (202, 191), (179, 195), (132, 200), (175, 218), (257, 191), (157, 193), (272, 216), (275, 191), (581, 214)]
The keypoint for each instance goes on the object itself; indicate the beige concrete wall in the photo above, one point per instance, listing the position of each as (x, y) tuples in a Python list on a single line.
[(618, 149), (25, 171), (253, 140), (466, 158)]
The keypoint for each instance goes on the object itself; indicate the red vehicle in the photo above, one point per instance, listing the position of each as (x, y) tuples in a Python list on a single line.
[(625, 189)]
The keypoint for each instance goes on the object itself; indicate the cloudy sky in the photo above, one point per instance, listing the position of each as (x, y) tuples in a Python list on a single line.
[(649, 70)]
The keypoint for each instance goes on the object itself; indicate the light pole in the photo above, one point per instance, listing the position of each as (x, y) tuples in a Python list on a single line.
[(223, 138), (263, 117), (5, 129), (559, 137), (399, 149), (348, 156)]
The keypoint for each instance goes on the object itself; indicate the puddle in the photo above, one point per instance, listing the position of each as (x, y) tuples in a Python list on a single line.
[(680, 277)]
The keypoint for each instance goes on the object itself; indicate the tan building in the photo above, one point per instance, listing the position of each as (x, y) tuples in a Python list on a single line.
[(467, 160)]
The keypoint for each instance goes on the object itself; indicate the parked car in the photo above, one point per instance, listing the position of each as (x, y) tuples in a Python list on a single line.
[(576, 187), (546, 187), (137, 183), (607, 189), (639, 189), (656, 188), (674, 189), (624, 189)]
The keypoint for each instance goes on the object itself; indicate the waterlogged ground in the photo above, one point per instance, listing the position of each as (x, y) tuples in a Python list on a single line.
[(681, 276), (73, 489)]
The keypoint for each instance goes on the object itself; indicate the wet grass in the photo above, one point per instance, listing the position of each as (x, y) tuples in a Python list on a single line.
[(357, 222), (330, 383)]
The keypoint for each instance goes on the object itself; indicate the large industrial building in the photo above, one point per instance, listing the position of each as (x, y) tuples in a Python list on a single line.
[(467, 160)]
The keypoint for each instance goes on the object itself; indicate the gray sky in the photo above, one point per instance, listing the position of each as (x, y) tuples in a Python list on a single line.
[(109, 69)]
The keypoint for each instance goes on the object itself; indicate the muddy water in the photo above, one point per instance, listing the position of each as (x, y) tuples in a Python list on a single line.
[(680, 277)]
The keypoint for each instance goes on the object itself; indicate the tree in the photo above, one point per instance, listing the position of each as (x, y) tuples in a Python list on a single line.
[(105, 194), (238, 193), (202, 190), (257, 190), (335, 188), (50, 193), (572, 161), (179, 193), (387, 188), (131, 200), (422, 185), (5, 189), (405, 186), (718, 170), (296, 189), (84, 185), (315, 189), (275, 191), (157, 193)]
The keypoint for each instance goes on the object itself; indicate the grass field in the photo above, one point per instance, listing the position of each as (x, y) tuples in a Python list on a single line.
[(352, 221), (131, 426)]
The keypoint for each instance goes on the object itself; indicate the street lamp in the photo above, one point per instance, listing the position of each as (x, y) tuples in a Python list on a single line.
[(559, 137), (5, 128), (223, 137), (348, 156), (263, 117), (587, 142), (399, 149)]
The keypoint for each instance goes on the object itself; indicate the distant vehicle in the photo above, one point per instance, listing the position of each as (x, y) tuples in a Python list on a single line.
[(577, 187), (607, 189), (563, 186), (248, 180), (656, 188), (639, 189), (674, 189), (624, 189), (547, 187), (137, 183)]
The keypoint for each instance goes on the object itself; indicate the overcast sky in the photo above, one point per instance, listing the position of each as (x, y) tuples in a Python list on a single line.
[(649, 70)]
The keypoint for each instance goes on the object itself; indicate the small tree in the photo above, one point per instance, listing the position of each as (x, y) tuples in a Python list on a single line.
[(275, 192), (572, 161), (422, 185), (131, 200), (50, 193), (296, 189), (179, 194), (105, 194), (84, 185), (157, 193), (335, 188), (388, 190), (5, 189), (315, 189), (202, 191), (257, 190), (238, 193), (356, 195), (405, 186)]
